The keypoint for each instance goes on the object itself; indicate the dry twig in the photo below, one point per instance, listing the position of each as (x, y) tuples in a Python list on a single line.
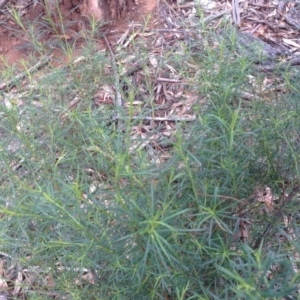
[(276, 216), (43, 61), (118, 100)]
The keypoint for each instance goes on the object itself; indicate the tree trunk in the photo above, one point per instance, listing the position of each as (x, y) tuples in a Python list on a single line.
[(98, 9), (107, 9)]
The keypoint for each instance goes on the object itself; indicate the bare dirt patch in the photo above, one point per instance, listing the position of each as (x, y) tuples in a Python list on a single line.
[(20, 41)]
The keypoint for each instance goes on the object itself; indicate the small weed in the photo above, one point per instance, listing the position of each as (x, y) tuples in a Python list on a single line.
[(103, 202)]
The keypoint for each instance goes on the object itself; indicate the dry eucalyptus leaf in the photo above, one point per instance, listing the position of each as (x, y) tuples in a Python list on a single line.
[(153, 61), (292, 43), (18, 283), (3, 283), (3, 296), (89, 277)]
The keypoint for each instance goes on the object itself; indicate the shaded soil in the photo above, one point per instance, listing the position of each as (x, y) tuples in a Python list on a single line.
[(20, 41)]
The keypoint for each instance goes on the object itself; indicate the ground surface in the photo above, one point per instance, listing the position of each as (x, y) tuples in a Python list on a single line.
[(16, 43), (275, 23), (165, 72)]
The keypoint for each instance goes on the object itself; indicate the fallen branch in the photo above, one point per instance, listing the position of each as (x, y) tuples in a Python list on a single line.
[(2, 3), (168, 80), (280, 67), (214, 17), (236, 14), (285, 201), (43, 61), (121, 41), (181, 119), (118, 100)]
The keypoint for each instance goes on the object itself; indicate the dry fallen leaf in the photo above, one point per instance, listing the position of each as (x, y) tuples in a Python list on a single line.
[(18, 284), (105, 95), (89, 277), (265, 195), (153, 61), (3, 283), (291, 43)]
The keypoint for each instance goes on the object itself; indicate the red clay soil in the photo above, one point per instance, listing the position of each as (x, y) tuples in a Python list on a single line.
[(16, 44)]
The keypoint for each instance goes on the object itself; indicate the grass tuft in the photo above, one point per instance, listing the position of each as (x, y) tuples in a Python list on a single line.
[(96, 203)]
